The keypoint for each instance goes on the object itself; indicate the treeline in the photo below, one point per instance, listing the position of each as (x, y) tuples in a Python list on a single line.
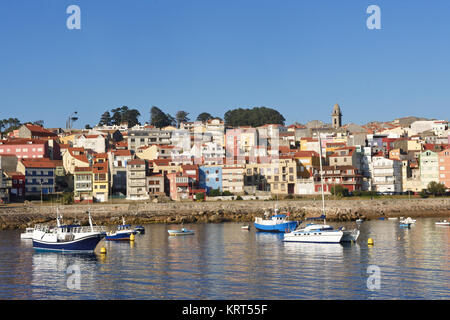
[(255, 117)]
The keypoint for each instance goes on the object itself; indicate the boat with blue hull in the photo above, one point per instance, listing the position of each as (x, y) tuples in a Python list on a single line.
[(276, 223), (67, 238), (123, 232)]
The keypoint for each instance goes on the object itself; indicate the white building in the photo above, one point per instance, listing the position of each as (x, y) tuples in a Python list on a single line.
[(386, 175), (94, 142)]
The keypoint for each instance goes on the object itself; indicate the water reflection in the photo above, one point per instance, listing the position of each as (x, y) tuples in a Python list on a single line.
[(222, 261)]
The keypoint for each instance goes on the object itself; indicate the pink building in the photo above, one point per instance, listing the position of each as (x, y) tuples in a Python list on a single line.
[(444, 167), (25, 148)]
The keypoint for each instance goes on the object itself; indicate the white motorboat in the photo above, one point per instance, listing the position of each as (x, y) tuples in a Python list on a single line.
[(182, 232), (443, 223), (408, 221), (317, 233), (393, 218), (28, 234)]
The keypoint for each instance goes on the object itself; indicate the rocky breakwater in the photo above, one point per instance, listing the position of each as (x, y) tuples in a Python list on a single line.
[(223, 211)]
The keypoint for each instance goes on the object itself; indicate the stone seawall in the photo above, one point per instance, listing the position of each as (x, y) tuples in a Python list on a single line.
[(223, 211)]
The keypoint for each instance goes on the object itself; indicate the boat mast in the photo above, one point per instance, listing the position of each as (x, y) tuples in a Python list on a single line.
[(321, 178)]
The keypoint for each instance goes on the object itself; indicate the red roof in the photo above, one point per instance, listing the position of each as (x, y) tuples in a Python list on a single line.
[(136, 161), (39, 163), (300, 154), (39, 131), (121, 153)]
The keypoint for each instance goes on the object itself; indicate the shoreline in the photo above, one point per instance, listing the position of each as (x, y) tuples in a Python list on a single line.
[(20, 217)]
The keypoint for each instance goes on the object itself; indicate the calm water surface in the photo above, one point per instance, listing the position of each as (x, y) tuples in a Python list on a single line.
[(222, 261)]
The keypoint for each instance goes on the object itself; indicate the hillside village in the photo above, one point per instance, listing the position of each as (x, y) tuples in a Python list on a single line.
[(207, 160)]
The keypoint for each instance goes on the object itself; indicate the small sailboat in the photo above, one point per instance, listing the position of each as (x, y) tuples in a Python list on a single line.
[(181, 232), (123, 232), (321, 233), (442, 223)]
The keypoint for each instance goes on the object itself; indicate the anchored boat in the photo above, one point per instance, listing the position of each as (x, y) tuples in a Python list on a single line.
[(321, 233), (123, 232), (28, 234), (276, 223), (68, 238), (182, 232), (443, 223)]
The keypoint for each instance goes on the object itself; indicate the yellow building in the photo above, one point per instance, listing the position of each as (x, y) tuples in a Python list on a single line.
[(155, 152), (279, 176), (306, 161), (100, 177)]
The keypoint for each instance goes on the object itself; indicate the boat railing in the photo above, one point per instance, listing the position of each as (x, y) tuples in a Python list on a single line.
[(85, 229)]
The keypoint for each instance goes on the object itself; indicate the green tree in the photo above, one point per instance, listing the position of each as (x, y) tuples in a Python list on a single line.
[(160, 119), (204, 116), (199, 196), (181, 116), (339, 191), (253, 117), (105, 119), (436, 189), (123, 115)]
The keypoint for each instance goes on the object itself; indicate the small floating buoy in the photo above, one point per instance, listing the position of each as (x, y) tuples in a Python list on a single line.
[(132, 237), (370, 242), (103, 250)]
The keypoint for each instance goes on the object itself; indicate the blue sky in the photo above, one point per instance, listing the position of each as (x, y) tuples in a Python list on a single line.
[(299, 57)]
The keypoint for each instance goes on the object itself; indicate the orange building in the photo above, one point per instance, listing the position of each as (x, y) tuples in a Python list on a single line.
[(444, 167)]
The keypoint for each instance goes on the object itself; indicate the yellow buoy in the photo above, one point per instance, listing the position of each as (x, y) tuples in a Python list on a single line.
[(370, 242), (132, 237), (103, 250)]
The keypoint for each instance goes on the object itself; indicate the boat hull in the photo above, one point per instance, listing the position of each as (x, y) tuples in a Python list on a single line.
[(350, 235), (281, 227), (85, 244), (180, 233), (310, 237), (125, 236)]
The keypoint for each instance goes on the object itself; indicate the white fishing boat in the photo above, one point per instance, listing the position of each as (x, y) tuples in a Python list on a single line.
[(122, 233), (443, 223), (28, 234), (321, 233), (67, 238)]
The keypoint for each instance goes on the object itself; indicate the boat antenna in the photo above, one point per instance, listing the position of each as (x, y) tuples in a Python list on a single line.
[(321, 178), (90, 220)]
